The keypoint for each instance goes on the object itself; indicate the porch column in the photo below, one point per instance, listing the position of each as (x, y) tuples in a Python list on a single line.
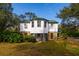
[(36, 37), (43, 38), (49, 36)]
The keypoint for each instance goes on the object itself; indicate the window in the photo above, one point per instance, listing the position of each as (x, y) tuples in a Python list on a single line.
[(32, 23), (51, 35), (38, 23), (25, 25), (45, 24), (51, 24)]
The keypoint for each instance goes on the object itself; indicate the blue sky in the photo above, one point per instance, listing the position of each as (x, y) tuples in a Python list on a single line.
[(45, 10)]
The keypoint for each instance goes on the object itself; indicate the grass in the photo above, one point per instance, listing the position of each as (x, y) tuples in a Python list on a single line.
[(49, 48)]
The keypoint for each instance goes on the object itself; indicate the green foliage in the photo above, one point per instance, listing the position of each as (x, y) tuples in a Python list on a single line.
[(10, 37), (29, 38), (74, 34), (70, 20), (64, 33), (71, 11), (5, 15), (7, 18), (15, 37), (68, 32)]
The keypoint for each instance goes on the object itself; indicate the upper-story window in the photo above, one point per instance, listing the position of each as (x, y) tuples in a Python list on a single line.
[(45, 24), (38, 23), (32, 23), (51, 24), (25, 25)]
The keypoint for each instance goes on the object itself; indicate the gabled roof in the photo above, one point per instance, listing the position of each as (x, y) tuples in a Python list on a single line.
[(25, 21), (52, 21), (38, 18)]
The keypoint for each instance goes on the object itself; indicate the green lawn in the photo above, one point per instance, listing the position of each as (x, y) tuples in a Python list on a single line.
[(49, 48)]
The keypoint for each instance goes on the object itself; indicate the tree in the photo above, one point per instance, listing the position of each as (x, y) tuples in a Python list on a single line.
[(8, 20), (27, 16), (14, 23), (16, 19), (5, 15), (22, 17), (70, 19), (30, 15)]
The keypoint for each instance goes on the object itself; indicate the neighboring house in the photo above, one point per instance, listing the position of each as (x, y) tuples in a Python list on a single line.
[(41, 28)]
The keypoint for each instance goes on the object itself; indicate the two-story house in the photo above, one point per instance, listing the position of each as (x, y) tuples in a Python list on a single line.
[(41, 28)]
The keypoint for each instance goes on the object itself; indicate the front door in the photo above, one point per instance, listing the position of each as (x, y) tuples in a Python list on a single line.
[(38, 37)]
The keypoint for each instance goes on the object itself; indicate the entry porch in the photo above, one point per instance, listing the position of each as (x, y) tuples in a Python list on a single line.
[(40, 36)]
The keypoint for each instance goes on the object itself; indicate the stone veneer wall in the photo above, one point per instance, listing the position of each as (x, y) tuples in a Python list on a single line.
[(54, 35)]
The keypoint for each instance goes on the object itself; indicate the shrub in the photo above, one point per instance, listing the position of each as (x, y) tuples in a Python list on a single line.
[(10, 37), (65, 32), (75, 34), (29, 38)]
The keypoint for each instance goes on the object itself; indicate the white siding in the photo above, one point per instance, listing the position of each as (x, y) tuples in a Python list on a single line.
[(22, 27), (36, 29), (53, 28)]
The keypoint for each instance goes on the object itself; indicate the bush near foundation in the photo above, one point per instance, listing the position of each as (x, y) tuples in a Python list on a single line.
[(29, 38), (14, 37), (10, 37)]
